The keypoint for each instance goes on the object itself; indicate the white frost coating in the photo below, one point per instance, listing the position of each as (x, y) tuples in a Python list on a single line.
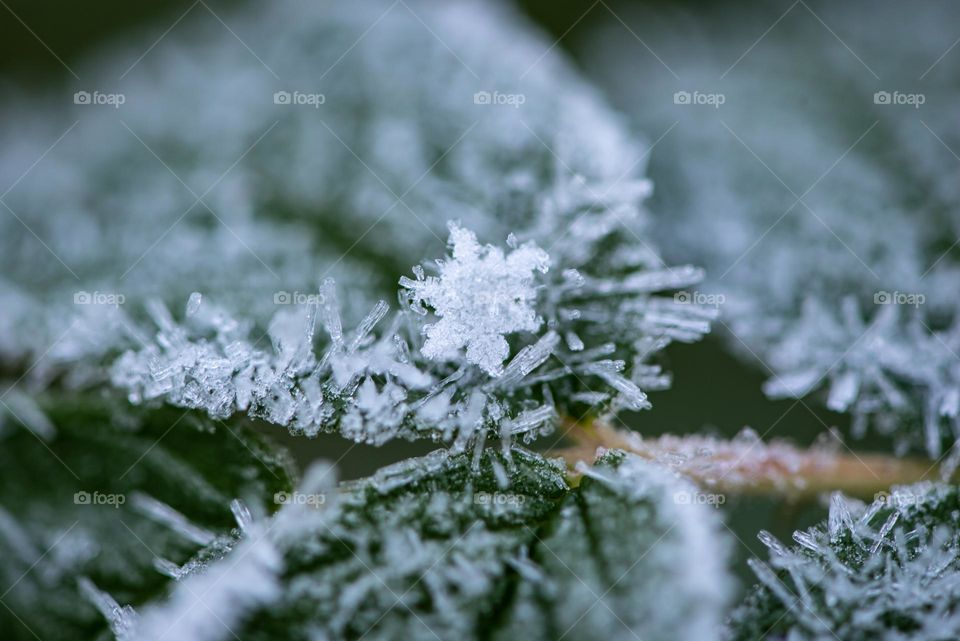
[(480, 295), (272, 336), (383, 380), (212, 599), (354, 550), (883, 571), (825, 217), (204, 607), (692, 532)]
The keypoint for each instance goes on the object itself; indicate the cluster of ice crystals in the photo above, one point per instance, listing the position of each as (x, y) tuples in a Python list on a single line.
[(212, 595), (376, 384), (480, 296), (892, 369), (206, 605), (233, 202), (439, 542), (122, 619), (825, 213), (289, 569), (889, 570)]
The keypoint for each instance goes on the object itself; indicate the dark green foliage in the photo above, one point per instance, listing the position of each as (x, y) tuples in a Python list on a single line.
[(69, 505)]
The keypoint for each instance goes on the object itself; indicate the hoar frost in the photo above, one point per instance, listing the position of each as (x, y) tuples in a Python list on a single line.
[(827, 218), (236, 312), (493, 545), (480, 295), (886, 571)]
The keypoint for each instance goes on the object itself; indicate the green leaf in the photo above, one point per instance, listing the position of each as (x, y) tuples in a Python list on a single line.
[(890, 570), (629, 555), (83, 504), (457, 547)]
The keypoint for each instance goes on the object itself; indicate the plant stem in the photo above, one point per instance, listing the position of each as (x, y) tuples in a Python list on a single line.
[(746, 465)]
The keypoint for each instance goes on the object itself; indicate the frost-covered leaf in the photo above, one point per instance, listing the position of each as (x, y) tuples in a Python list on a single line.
[(110, 502), (627, 556), (456, 547), (888, 571), (203, 278), (811, 167)]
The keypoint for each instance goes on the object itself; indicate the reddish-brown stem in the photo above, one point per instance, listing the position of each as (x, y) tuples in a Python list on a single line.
[(747, 465)]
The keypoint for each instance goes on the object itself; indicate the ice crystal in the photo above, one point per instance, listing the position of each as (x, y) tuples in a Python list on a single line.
[(205, 280), (480, 296), (457, 546), (890, 570), (231, 590), (822, 203)]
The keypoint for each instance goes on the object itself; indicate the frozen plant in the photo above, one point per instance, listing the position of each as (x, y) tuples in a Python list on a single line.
[(821, 195), (888, 570), (416, 220), (412, 379), (321, 192), (432, 556)]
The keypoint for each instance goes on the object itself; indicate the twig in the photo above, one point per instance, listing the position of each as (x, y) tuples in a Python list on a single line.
[(747, 465)]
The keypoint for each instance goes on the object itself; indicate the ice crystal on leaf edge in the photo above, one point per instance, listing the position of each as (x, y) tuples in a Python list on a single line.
[(410, 378)]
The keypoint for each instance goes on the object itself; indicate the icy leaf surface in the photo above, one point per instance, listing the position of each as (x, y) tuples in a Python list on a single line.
[(108, 506), (819, 195), (205, 279), (404, 374), (889, 571), (626, 556), (474, 547)]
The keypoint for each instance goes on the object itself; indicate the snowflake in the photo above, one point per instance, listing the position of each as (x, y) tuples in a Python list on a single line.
[(480, 295)]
